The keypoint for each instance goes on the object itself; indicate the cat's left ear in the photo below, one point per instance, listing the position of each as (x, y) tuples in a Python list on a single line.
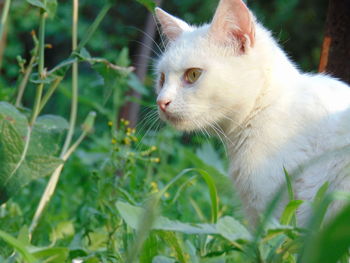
[(233, 22), (172, 27)]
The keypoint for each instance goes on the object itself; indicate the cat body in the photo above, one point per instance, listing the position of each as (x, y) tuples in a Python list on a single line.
[(231, 78)]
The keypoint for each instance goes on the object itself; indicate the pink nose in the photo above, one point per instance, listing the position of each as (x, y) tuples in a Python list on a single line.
[(163, 104)]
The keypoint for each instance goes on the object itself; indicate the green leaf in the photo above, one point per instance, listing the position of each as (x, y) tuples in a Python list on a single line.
[(320, 195), (132, 214), (163, 259), (175, 243), (62, 230), (47, 135), (84, 54), (232, 229), (211, 186), (149, 249), (18, 246), (333, 242), (50, 6), (26, 154), (51, 254), (289, 211), (135, 83), (149, 4), (37, 3)]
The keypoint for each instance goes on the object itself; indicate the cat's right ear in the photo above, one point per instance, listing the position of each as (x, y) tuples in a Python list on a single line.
[(171, 26)]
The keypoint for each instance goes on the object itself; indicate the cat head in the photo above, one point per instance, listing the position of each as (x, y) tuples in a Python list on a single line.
[(207, 75)]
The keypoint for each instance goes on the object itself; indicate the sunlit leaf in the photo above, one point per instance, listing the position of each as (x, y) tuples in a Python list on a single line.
[(18, 246), (26, 153), (132, 214), (232, 229)]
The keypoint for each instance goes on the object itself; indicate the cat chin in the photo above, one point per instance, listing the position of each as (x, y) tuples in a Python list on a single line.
[(179, 123)]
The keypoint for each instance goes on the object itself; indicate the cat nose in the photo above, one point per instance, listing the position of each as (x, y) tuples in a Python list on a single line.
[(163, 104)]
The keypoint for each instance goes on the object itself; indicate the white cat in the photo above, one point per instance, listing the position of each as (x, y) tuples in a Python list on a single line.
[(231, 78)]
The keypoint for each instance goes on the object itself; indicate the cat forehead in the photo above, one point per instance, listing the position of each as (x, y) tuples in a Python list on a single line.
[(185, 51)]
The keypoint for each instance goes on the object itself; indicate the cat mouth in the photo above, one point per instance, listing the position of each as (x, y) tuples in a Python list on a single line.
[(172, 119)]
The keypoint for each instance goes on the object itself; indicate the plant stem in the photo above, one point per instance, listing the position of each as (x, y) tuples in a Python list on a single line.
[(51, 186), (66, 151), (94, 26), (4, 17), (74, 105), (25, 79), (39, 90), (50, 91)]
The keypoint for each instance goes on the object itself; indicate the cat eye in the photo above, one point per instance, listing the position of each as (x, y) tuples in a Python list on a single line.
[(161, 80), (192, 75)]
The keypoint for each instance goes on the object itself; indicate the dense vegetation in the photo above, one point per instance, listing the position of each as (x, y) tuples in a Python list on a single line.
[(115, 193)]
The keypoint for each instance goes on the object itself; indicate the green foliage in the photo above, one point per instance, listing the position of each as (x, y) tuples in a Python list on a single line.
[(26, 153)]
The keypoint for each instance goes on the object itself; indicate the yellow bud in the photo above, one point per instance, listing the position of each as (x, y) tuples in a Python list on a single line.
[(153, 148), (127, 141), (114, 141), (154, 185), (110, 123)]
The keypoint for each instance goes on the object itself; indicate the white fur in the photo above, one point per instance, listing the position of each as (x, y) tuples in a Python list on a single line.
[(271, 115)]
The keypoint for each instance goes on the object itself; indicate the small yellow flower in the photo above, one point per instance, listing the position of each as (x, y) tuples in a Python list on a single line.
[(127, 141), (110, 123), (126, 123), (114, 141), (154, 185), (155, 160), (153, 148), (166, 195)]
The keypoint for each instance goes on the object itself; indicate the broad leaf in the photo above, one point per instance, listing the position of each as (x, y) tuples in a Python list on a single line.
[(50, 6), (26, 154), (132, 214), (51, 254), (232, 229), (18, 246), (333, 242)]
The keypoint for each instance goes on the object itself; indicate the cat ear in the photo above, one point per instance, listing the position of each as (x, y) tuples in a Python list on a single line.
[(172, 27), (233, 21)]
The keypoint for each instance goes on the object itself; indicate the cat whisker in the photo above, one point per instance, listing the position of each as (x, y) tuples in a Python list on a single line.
[(149, 36)]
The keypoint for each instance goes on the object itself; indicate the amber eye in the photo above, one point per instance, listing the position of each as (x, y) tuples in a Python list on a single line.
[(161, 80), (192, 75)]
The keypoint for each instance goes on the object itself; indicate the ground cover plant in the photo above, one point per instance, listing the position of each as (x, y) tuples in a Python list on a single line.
[(80, 184)]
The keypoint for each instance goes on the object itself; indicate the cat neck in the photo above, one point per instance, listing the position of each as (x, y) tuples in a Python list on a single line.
[(277, 81)]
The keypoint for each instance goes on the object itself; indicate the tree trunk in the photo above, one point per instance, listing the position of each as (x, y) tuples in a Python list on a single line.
[(130, 110), (335, 54)]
